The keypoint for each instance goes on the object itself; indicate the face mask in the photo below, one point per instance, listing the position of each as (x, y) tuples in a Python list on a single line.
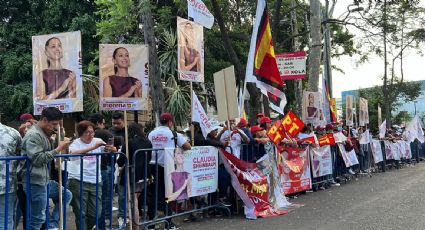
[(339, 128)]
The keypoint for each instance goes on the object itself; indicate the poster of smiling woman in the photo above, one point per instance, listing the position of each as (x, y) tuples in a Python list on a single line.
[(123, 77), (57, 67)]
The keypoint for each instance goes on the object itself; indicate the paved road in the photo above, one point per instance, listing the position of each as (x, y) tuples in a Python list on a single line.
[(391, 200)]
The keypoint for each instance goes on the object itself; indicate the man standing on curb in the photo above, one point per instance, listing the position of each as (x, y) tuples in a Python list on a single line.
[(39, 147)]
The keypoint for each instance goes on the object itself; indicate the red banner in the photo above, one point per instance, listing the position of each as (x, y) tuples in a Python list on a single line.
[(260, 198), (327, 139), (296, 169), (307, 140), (292, 124)]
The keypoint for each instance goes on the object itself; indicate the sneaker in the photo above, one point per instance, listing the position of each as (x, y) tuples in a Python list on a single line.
[(351, 172), (171, 226), (335, 184)]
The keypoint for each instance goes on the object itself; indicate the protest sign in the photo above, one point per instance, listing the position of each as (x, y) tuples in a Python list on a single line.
[(377, 151), (327, 139), (349, 110), (321, 161), (56, 72), (292, 124), (199, 115), (296, 170), (350, 157), (124, 77), (190, 50), (190, 173), (291, 65)]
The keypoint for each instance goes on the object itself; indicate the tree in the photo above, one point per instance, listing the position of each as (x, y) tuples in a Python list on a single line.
[(391, 28)]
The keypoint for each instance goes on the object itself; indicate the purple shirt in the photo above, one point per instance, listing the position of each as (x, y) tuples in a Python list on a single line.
[(178, 179)]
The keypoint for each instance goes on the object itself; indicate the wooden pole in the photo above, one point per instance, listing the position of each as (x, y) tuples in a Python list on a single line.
[(60, 182), (192, 128), (130, 216)]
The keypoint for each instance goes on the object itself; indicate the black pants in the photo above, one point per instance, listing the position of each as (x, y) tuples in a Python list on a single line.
[(161, 204)]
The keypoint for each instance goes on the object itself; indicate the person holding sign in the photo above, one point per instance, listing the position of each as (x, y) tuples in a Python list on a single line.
[(121, 84), (55, 82), (190, 58)]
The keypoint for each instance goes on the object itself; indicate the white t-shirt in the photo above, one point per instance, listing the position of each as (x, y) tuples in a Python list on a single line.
[(162, 137), (89, 162), (235, 142)]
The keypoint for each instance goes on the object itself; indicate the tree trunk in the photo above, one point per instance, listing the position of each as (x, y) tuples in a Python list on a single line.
[(315, 46), (298, 83), (240, 70), (387, 109), (154, 73)]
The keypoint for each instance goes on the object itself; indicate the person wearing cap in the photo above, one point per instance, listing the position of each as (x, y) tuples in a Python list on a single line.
[(247, 150), (265, 123), (163, 137), (259, 116)]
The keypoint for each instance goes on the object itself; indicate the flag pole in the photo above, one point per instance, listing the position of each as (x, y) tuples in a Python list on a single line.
[(192, 128)]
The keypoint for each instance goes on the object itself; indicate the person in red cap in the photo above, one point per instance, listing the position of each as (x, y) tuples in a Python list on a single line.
[(265, 123), (236, 137), (164, 137), (259, 116)]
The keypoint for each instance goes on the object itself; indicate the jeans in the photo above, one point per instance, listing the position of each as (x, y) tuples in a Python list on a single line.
[(223, 182), (37, 209), (10, 218), (87, 209), (54, 195), (121, 201), (106, 196)]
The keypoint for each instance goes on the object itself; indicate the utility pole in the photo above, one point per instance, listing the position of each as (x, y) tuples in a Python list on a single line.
[(315, 46)]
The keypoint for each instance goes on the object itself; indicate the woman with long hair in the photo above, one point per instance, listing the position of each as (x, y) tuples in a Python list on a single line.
[(55, 82), (179, 179), (121, 84), (190, 58)]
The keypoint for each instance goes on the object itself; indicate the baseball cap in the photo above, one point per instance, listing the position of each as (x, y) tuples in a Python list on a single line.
[(265, 120), (255, 129), (260, 115), (242, 123), (26, 117), (166, 117)]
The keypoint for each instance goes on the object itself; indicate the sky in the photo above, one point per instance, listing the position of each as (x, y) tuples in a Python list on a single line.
[(368, 74)]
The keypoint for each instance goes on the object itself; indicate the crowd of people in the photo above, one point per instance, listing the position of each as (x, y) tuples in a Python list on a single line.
[(88, 180)]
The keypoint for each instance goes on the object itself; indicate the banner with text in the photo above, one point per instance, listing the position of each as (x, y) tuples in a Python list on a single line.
[(258, 184), (377, 151), (197, 10), (190, 173), (296, 170), (56, 71), (321, 161), (124, 77), (291, 65)]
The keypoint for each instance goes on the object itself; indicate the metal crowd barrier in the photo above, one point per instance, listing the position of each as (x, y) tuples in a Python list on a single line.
[(151, 199), (27, 187)]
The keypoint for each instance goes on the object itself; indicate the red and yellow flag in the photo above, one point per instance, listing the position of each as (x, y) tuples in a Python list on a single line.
[(327, 139)]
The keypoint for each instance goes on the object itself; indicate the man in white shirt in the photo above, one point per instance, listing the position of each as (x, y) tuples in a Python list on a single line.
[(163, 137), (236, 137)]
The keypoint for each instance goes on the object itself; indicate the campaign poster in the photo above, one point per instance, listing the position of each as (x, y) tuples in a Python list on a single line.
[(321, 161), (312, 108), (349, 110), (349, 158), (190, 173), (291, 65), (388, 151), (123, 77), (190, 50), (377, 151), (296, 170), (363, 112), (56, 71)]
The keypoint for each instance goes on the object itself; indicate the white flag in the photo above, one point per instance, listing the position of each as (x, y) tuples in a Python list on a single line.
[(197, 10), (414, 130), (199, 115), (383, 129)]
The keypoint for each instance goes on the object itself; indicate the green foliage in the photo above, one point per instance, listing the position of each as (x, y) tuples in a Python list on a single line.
[(168, 53), (178, 100), (403, 117)]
